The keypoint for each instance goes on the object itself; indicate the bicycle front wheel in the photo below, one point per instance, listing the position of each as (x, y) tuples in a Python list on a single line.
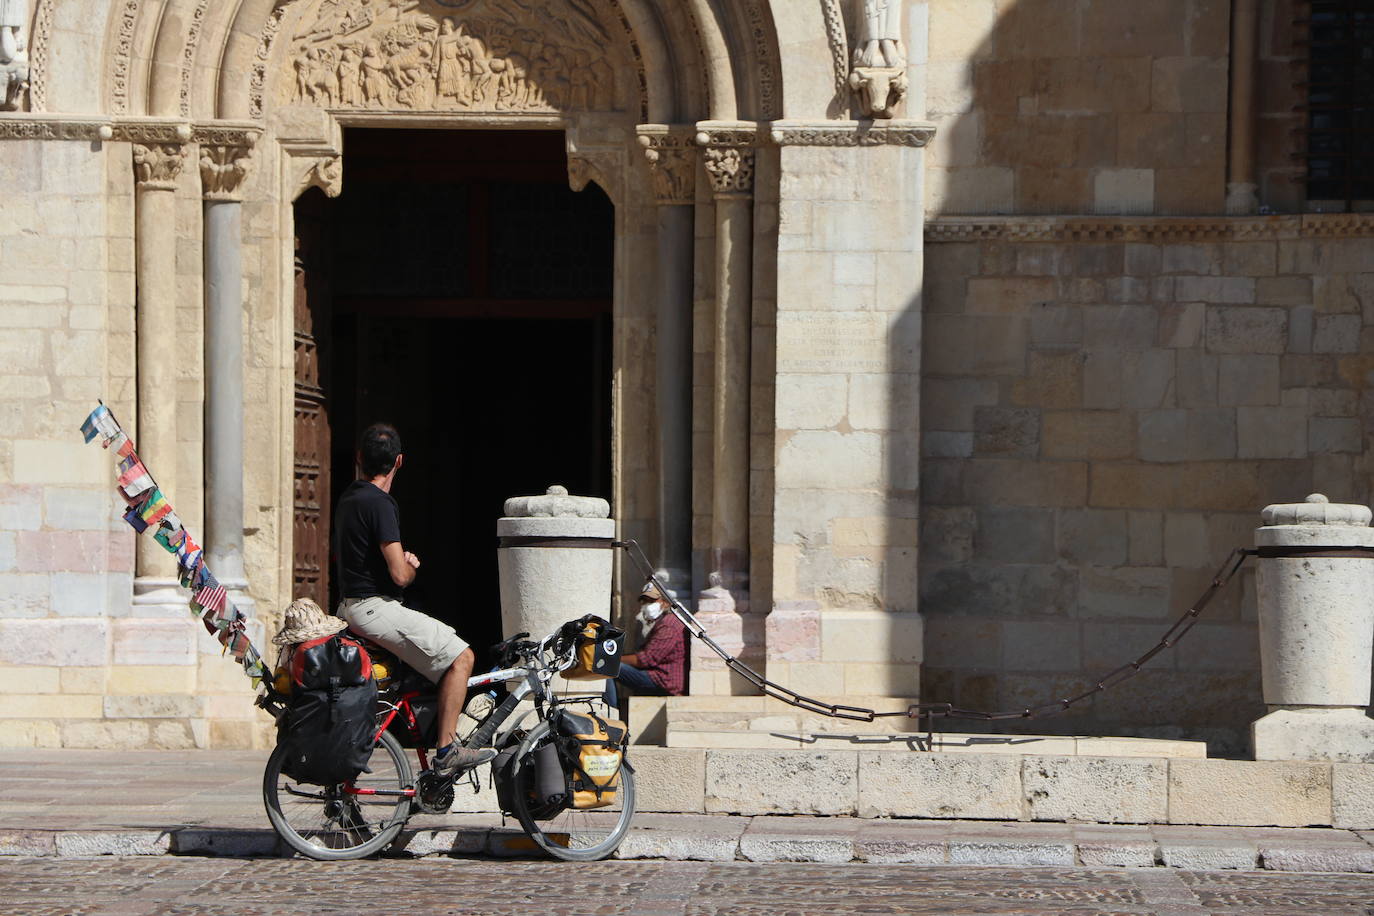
[(568, 833), (341, 821)]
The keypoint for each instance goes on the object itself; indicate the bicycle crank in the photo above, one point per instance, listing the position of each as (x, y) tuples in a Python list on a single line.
[(434, 794)]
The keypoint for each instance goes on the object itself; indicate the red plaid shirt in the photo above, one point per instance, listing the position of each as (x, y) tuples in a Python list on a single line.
[(664, 654)]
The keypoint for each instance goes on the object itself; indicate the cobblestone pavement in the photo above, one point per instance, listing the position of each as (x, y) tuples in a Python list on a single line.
[(180, 886)]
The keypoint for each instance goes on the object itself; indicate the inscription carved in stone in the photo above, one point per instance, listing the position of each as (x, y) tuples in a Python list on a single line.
[(454, 55)]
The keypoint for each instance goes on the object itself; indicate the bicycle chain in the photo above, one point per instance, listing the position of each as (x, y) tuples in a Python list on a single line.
[(931, 711)]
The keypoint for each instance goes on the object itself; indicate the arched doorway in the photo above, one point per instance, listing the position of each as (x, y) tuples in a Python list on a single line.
[(459, 289)]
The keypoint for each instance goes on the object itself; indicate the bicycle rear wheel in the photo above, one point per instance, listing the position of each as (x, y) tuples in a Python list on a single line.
[(330, 822), (568, 833)]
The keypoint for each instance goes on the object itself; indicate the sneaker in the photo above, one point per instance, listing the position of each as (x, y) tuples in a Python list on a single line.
[(455, 759)]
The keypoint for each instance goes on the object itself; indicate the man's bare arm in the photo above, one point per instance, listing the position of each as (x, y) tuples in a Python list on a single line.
[(400, 563)]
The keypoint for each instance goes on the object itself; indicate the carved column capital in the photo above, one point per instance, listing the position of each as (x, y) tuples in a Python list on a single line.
[(225, 154), (728, 155), (670, 151), (730, 169), (157, 165)]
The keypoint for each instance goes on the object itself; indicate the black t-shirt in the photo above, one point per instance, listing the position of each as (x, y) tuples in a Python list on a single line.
[(364, 520)]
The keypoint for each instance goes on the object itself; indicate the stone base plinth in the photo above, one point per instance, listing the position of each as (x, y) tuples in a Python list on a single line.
[(1342, 734)]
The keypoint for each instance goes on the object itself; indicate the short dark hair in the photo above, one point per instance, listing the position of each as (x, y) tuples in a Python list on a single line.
[(378, 449)]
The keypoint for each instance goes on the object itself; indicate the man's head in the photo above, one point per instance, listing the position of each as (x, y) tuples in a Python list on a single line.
[(378, 450)]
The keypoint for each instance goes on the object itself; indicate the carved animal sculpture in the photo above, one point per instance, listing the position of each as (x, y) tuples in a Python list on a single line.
[(879, 89), (407, 65)]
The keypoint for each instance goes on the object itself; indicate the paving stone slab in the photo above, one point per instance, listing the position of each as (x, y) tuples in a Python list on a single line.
[(1318, 858), (1010, 852), (114, 843), (796, 847)]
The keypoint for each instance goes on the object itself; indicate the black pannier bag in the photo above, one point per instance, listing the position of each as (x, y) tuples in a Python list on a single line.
[(330, 726)]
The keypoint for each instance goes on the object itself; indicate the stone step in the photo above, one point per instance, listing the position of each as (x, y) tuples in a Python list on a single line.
[(941, 742)]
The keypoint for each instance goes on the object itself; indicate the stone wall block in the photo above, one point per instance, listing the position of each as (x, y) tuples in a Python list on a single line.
[(1271, 432), (1099, 434), (966, 786), (111, 736), (1249, 793), (21, 508), (1246, 330), (1246, 381), (791, 782), (144, 641), (153, 706), (1337, 334), (1006, 432), (62, 643), (1352, 796), (1095, 537), (1122, 790), (1040, 645), (669, 779), (79, 594)]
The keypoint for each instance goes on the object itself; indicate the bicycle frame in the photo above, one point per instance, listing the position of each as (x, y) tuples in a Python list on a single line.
[(530, 683)]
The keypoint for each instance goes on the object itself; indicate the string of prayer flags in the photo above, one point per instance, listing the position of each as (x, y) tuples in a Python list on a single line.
[(150, 508), (136, 523), (101, 423), (169, 539), (154, 507)]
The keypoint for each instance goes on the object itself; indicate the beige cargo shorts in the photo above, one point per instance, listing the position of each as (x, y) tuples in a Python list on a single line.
[(425, 644)]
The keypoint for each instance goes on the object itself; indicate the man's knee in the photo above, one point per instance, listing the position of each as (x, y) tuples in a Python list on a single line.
[(463, 662)]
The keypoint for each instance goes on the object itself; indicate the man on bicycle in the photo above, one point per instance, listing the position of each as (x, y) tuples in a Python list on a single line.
[(373, 571)]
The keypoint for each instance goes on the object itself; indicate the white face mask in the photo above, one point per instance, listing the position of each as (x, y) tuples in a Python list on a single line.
[(649, 614)]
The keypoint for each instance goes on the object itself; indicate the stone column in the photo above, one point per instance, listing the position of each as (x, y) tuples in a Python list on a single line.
[(157, 164), (672, 161), (723, 606), (730, 169), (224, 159), (1316, 624)]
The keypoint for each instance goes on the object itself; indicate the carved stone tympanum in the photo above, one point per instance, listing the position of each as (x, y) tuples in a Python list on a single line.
[(453, 55)]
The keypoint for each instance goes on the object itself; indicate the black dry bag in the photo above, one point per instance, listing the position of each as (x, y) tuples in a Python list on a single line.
[(330, 726)]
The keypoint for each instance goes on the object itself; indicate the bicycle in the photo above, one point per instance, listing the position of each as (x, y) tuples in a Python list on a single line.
[(361, 817)]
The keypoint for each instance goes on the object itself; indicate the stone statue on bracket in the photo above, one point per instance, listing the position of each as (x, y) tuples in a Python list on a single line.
[(878, 73), (14, 53)]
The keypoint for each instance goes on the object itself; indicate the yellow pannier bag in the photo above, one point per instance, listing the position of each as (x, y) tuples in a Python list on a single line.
[(593, 752), (597, 652)]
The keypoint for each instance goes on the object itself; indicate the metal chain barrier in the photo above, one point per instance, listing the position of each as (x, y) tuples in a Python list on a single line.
[(931, 711)]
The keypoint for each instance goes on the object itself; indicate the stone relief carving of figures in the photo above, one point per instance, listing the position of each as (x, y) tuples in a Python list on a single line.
[(502, 55), (14, 53), (879, 31)]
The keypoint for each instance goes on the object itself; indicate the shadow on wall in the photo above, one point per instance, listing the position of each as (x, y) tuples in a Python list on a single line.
[(1097, 429)]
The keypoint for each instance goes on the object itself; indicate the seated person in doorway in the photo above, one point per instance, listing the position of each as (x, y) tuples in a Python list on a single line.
[(374, 569), (659, 668)]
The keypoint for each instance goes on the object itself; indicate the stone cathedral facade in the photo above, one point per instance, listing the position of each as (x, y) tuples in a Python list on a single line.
[(937, 349)]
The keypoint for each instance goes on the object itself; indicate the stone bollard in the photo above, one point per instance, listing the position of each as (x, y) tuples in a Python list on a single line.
[(1316, 623), (555, 560)]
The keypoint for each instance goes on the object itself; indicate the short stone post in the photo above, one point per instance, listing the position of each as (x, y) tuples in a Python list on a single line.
[(1316, 618), (555, 560)]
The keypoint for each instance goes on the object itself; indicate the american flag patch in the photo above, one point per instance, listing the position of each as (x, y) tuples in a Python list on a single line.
[(211, 598)]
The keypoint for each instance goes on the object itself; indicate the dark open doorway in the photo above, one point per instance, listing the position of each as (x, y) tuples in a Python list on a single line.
[(470, 301)]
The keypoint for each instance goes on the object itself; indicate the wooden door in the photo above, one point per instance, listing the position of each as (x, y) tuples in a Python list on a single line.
[(312, 448)]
